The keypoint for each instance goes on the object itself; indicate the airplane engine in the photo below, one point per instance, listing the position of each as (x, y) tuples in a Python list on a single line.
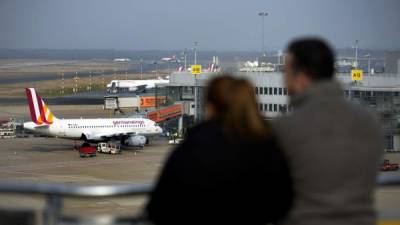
[(136, 141)]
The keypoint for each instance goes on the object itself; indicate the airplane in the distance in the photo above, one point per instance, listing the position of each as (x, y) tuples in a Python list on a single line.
[(170, 59), (122, 60), (134, 132), (117, 86)]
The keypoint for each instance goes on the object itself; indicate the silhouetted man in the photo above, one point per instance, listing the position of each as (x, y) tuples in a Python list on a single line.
[(333, 146)]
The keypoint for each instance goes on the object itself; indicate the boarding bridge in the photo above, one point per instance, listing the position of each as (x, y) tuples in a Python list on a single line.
[(165, 113), (56, 193)]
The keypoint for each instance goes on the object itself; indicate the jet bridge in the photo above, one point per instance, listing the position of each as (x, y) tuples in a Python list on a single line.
[(165, 113)]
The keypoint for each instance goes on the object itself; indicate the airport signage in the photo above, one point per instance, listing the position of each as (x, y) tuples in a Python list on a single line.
[(152, 101), (196, 69), (356, 75)]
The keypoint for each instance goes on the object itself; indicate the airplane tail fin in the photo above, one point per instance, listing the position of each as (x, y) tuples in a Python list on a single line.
[(40, 112)]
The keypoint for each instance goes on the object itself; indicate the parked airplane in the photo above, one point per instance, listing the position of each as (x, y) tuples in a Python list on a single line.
[(118, 86), (130, 131), (169, 59), (122, 60)]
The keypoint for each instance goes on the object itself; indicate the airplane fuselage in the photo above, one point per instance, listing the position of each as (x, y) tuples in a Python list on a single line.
[(96, 129)]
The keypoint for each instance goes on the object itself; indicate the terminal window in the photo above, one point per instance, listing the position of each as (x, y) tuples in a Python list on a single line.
[(282, 108), (356, 94), (388, 94)]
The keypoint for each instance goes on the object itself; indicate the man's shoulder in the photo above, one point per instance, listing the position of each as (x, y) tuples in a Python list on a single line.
[(316, 113)]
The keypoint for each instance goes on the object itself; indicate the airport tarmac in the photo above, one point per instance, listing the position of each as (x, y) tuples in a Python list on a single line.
[(53, 160)]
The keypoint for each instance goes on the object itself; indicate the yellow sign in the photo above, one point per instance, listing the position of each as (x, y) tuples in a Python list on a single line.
[(356, 75), (196, 69)]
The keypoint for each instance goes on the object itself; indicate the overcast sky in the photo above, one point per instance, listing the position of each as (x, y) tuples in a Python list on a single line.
[(176, 24)]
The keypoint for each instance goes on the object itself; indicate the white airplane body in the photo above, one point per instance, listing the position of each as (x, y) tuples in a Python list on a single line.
[(134, 85), (122, 60), (130, 131), (169, 59)]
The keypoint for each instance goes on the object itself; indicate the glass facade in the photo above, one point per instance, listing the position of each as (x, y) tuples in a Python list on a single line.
[(386, 103)]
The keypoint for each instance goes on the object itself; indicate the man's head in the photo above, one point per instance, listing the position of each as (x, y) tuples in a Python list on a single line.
[(307, 61)]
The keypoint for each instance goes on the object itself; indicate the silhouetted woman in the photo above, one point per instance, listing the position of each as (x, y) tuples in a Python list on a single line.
[(229, 170)]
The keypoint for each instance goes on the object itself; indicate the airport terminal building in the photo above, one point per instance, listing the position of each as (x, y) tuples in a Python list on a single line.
[(379, 92)]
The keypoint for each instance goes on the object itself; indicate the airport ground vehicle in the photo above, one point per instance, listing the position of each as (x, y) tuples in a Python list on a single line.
[(109, 147), (87, 151), (175, 141), (387, 166)]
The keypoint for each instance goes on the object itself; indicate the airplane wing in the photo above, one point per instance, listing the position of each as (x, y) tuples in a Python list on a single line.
[(105, 136), (141, 87)]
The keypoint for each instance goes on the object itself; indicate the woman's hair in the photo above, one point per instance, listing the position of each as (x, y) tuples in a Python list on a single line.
[(234, 102)]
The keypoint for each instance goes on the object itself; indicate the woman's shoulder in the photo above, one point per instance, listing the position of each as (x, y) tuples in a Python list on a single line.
[(267, 148), (205, 129)]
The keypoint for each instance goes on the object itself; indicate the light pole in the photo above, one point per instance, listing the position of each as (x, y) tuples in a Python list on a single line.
[(90, 81), (369, 63), (141, 69), (126, 72), (62, 83), (184, 58), (356, 55), (156, 68), (195, 83), (263, 15), (76, 82), (102, 79), (195, 52)]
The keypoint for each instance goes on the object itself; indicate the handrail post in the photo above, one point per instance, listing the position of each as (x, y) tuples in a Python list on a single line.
[(52, 209)]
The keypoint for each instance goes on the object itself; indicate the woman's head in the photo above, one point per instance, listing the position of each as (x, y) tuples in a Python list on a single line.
[(218, 94), (233, 100)]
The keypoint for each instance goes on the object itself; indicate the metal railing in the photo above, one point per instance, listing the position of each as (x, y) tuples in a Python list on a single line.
[(55, 193)]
